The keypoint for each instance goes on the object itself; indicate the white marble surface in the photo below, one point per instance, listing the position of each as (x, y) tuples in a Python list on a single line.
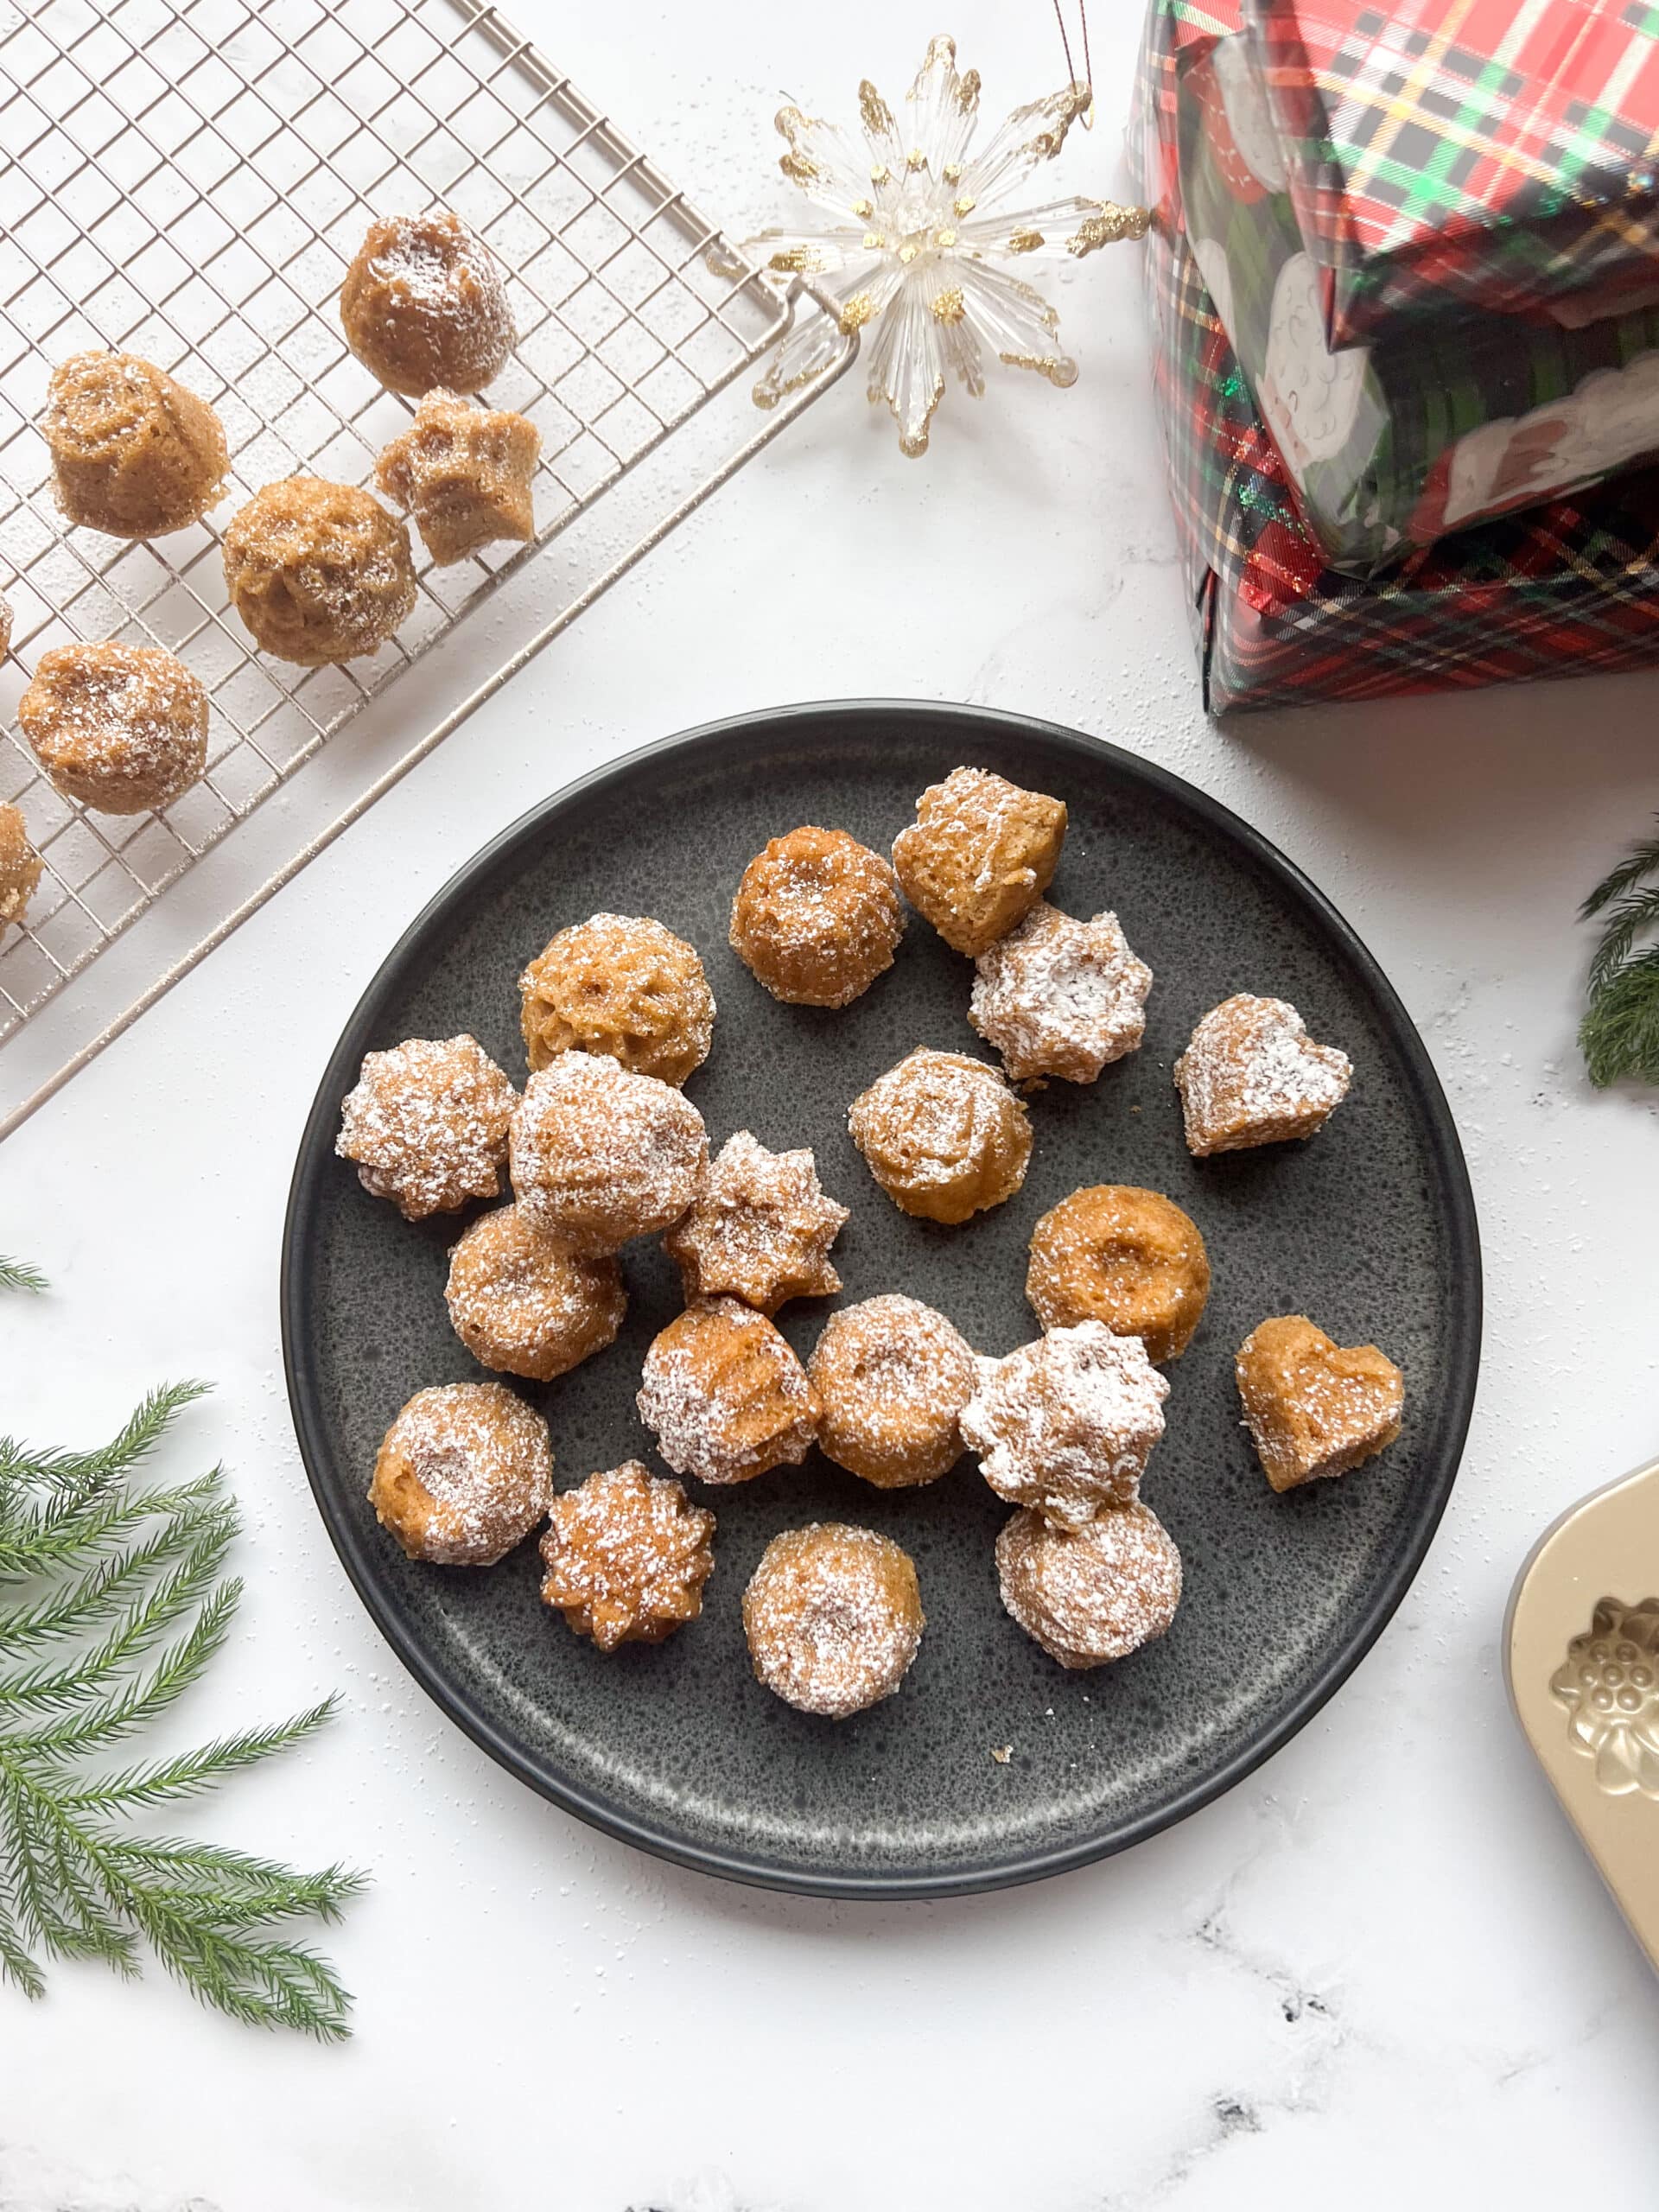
[(1380, 1967)]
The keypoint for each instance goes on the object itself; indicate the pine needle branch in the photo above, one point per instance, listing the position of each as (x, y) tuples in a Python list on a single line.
[(1618, 1035), (121, 1604), (18, 1275)]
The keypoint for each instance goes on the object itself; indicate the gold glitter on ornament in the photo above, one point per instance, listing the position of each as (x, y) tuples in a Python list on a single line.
[(918, 236)]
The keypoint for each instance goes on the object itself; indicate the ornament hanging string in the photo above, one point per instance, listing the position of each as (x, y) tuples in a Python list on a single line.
[(1087, 117)]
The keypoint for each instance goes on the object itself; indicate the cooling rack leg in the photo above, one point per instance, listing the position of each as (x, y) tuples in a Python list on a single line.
[(801, 294)]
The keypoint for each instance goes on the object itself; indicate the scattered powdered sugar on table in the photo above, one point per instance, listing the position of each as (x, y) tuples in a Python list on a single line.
[(1066, 1424), (1058, 996)]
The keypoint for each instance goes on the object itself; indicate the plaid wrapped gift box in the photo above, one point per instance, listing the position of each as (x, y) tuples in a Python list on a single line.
[(1568, 587), (1427, 431), (1457, 155)]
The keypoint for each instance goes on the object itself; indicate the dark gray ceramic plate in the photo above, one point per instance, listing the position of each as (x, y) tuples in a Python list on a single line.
[(1369, 1229)]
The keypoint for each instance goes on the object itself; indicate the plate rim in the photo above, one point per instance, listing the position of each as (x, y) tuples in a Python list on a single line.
[(751, 1868)]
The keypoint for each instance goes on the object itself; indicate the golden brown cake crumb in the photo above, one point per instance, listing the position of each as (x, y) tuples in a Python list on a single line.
[(524, 1303), (892, 1377), (427, 1125), (21, 868), (464, 1473), (601, 1155), (724, 1396), (423, 305), (1127, 1257), (1315, 1407), (626, 1556), (122, 729), (979, 854), (319, 572), (1066, 1424), (759, 1228), (1252, 1075), (1060, 997), (943, 1135), (464, 474), (817, 917), (833, 1615), (622, 985), (1091, 1594), (134, 453)]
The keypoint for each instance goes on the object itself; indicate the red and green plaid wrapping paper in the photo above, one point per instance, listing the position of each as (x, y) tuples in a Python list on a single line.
[(1428, 431), (1454, 154), (1566, 588)]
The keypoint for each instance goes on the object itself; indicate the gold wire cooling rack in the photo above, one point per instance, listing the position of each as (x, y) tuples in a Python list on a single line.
[(187, 180)]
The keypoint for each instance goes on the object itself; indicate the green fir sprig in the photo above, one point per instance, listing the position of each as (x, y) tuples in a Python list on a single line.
[(112, 1604), (1619, 1034), (18, 1275)]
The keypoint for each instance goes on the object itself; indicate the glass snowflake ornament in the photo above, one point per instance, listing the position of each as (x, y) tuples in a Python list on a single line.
[(920, 237)]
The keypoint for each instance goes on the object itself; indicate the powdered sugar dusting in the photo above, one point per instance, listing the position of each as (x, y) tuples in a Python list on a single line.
[(1060, 997), (833, 1618), (427, 1124), (1094, 1593), (724, 1394), (941, 1122), (1252, 1075), (1066, 1424), (759, 1228), (482, 1467), (601, 1155), (893, 1377), (626, 1556), (521, 1299)]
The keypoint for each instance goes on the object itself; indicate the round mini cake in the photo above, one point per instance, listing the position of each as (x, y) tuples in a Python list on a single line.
[(134, 453), (601, 1155), (620, 985), (833, 1616), (122, 729), (423, 305), (979, 854), (626, 1556), (1066, 1424), (319, 572), (21, 868), (724, 1396), (1091, 1594), (524, 1303), (891, 1378), (1127, 1257), (759, 1228), (427, 1125), (943, 1135), (463, 472), (1060, 997), (464, 1473), (817, 917)]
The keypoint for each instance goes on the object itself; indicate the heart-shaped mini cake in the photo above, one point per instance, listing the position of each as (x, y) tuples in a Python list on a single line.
[(1252, 1075), (1315, 1407)]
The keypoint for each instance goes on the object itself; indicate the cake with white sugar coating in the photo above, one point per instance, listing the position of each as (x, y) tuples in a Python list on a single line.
[(1060, 997), (1252, 1075), (1066, 1424)]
